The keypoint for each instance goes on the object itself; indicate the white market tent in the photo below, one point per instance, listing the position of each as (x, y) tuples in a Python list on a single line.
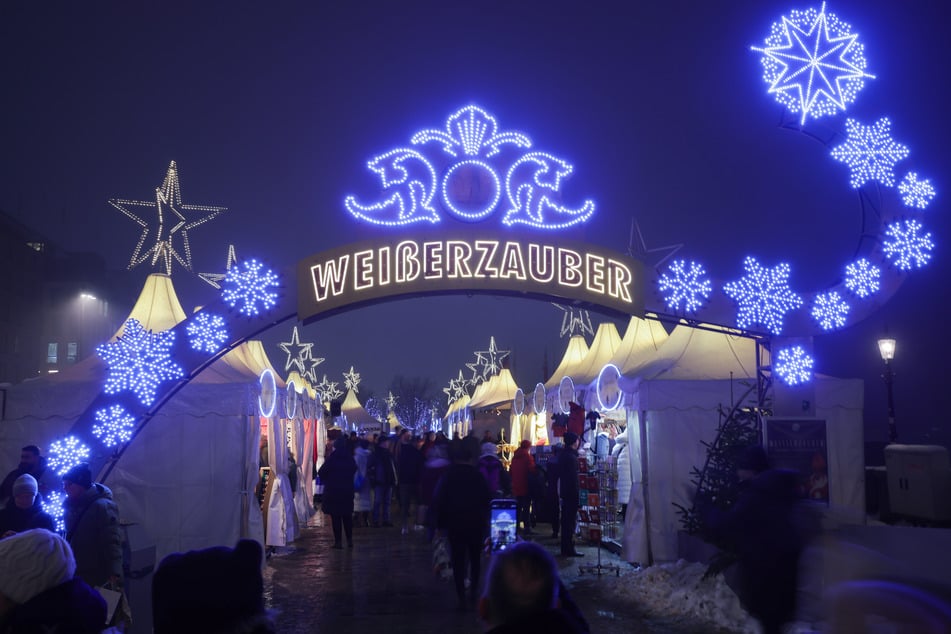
[(574, 353), (356, 415), (498, 392)]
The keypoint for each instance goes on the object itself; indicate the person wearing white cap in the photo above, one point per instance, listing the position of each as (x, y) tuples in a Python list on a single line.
[(24, 511), (39, 591)]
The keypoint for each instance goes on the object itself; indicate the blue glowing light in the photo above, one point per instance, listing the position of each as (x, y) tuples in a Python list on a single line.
[(915, 193), (830, 311), (907, 245), (267, 400), (65, 454), (249, 284), (473, 132), (870, 152), (54, 508), (532, 206), (763, 295), (793, 365), (140, 360), (471, 189), (687, 286), (114, 425), (813, 63), (863, 278), (207, 332), (414, 178)]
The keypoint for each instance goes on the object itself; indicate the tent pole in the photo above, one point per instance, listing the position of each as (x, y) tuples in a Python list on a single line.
[(645, 485)]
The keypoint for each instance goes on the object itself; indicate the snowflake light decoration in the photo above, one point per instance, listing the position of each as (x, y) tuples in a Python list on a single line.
[(114, 425), (55, 508), (170, 224), (207, 332), (250, 284), (140, 360), (915, 193), (763, 295), (66, 453), (686, 287), (793, 365), (863, 278), (351, 380), (575, 321), (297, 352), (830, 311), (487, 363), (907, 245), (813, 63), (870, 152)]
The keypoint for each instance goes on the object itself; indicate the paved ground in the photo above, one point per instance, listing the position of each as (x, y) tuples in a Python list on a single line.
[(386, 584)]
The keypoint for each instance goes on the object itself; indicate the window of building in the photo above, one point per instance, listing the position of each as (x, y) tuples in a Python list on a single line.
[(52, 352), (71, 348)]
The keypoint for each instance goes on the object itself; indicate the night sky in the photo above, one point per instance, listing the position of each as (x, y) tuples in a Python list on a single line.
[(661, 107)]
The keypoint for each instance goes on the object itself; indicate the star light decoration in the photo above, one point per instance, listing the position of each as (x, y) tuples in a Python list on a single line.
[(813, 63), (351, 380), (915, 193), (863, 278), (66, 453), (907, 244), (870, 152), (297, 352), (830, 311), (215, 279), (328, 389), (575, 321), (251, 288), (170, 224), (763, 295), (487, 363), (793, 365), (456, 389), (140, 360), (55, 508), (207, 332), (685, 287), (114, 425)]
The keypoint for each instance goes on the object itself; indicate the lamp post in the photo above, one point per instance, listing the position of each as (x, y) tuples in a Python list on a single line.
[(83, 299), (886, 347)]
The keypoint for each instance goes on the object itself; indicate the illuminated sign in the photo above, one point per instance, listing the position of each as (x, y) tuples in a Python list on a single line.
[(370, 271)]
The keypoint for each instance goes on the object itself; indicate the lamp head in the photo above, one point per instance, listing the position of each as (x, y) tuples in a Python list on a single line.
[(887, 348)]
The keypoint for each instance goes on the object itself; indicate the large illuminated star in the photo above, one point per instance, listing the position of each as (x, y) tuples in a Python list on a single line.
[(637, 248), (813, 63), (170, 224), (328, 389), (456, 389), (351, 380), (215, 279), (297, 353), (487, 363)]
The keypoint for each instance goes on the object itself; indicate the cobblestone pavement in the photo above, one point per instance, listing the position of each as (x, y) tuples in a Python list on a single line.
[(386, 584)]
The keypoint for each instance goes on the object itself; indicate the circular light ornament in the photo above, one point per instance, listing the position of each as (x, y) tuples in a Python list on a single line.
[(538, 399), (518, 403), (292, 403), (471, 189), (566, 394), (608, 389), (267, 401)]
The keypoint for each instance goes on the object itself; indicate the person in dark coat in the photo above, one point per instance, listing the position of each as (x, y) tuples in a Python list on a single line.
[(92, 528), (552, 501), (462, 510), (382, 471), (522, 471), (39, 589), (568, 492), (763, 528), (24, 510), (337, 475), (33, 463), (409, 464)]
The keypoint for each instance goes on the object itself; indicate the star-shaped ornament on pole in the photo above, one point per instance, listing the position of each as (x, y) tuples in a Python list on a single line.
[(297, 353), (487, 363), (456, 389), (170, 224), (576, 321), (215, 279), (351, 380), (328, 389), (638, 249)]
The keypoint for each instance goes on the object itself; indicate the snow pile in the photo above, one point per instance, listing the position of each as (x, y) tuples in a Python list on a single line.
[(678, 589)]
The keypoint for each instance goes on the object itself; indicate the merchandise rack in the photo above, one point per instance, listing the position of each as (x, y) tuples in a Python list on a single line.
[(597, 508)]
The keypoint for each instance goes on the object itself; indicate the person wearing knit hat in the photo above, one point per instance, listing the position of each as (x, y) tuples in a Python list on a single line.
[(38, 590), (24, 511), (92, 528), (216, 589)]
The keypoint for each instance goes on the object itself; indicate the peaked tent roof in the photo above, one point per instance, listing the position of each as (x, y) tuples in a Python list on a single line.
[(574, 353), (157, 308), (500, 389), (605, 344), (642, 339), (354, 411)]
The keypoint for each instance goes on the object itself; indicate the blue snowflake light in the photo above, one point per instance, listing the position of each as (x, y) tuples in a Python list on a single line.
[(67, 453), (830, 311), (907, 245), (813, 63), (686, 287), (763, 295), (870, 152), (55, 509), (793, 365), (114, 425), (140, 360), (207, 332), (915, 193), (863, 278), (248, 285)]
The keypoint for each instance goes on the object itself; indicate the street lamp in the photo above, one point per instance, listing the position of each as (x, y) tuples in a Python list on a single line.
[(886, 347)]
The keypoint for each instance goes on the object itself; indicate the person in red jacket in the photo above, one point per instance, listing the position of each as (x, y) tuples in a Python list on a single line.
[(522, 470)]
